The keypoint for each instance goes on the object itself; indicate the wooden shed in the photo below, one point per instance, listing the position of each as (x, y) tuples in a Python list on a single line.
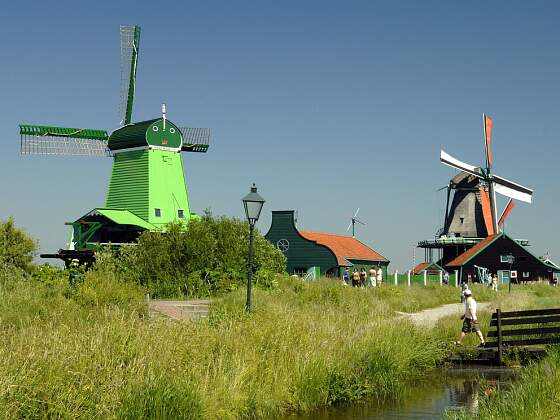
[(331, 253), (493, 253)]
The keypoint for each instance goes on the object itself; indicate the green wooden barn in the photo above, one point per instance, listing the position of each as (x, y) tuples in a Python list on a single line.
[(329, 253)]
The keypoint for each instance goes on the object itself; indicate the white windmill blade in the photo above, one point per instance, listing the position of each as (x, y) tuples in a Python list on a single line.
[(512, 190), (449, 160), (357, 211), (349, 226), (359, 221)]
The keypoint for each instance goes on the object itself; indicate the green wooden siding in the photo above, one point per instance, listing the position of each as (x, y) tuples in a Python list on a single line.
[(145, 180), (129, 183), (168, 190), (302, 253)]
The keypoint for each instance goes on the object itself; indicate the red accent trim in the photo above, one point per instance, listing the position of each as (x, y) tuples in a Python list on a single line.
[(507, 211), (487, 131), (486, 211)]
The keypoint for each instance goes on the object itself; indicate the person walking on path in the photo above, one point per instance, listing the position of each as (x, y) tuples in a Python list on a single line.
[(495, 282), (372, 277), (470, 319)]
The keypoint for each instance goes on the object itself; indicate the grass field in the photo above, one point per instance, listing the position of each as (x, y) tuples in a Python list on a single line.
[(91, 351)]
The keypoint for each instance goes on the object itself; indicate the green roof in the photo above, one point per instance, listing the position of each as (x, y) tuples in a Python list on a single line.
[(124, 217)]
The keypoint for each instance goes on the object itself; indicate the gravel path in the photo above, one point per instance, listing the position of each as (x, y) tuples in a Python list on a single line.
[(429, 317)]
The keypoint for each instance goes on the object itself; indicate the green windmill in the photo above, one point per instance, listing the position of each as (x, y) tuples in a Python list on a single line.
[(147, 188)]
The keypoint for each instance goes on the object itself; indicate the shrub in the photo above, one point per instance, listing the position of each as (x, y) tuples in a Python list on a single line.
[(17, 248), (205, 257)]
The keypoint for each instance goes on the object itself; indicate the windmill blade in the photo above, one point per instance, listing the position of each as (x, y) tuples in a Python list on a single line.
[(487, 131), (195, 139), (48, 140), (130, 42), (512, 190), (357, 211), (359, 221), (507, 210), (449, 160), (349, 226), (486, 205), (443, 188)]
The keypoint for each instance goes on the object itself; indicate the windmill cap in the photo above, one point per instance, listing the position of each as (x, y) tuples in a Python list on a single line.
[(467, 292)]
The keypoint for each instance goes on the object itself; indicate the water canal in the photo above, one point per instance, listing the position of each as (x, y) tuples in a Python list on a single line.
[(446, 390)]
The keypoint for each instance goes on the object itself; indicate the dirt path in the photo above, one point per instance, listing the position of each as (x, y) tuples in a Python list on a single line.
[(180, 309), (429, 317)]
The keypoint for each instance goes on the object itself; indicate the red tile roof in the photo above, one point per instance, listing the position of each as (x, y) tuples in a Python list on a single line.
[(343, 247), (471, 252), (420, 267)]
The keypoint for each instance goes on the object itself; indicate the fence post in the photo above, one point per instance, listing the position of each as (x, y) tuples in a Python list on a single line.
[(440, 278), (408, 278), (499, 333), (456, 278), (396, 277), (425, 278)]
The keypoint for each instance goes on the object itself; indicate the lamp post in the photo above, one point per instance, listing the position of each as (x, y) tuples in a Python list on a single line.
[(253, 204), (511, 260)]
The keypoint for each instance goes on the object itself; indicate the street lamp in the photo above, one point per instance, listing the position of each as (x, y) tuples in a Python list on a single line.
[(253, 204)]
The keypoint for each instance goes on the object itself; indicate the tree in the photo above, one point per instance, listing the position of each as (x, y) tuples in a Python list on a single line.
[(17, 248)]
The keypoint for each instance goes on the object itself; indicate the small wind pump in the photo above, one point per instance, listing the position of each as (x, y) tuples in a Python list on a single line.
[(487, 183), (353, 223), (147, 188)]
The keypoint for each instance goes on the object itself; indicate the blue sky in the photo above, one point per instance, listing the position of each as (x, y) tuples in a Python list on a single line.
[(327, 106)]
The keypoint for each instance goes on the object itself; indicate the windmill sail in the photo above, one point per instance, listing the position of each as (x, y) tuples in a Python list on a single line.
[(509, 207), (487, 132), (449, 160), (512, 190), (130, 42), (195, 139), (48, 140)]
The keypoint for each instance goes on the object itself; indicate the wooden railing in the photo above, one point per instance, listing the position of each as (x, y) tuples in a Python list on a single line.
[(532, 332)]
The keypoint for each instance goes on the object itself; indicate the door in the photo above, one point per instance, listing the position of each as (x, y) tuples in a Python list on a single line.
[(503, 276)]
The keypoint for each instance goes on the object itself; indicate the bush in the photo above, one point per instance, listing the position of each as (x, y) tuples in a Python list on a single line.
[(206, 257), (17, 248)]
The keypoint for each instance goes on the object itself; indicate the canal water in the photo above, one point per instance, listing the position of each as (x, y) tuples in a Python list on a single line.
[(446, 390)]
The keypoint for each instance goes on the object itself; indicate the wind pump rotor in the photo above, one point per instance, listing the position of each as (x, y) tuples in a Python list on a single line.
[(353, 222)]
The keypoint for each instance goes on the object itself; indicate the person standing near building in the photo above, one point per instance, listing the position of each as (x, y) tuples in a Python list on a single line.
[(489, 279), (363, 276), (445, 278), (463, 288), (495, 282), (379, 276), (355, 277), (346, 275), (470, 319), (372, 277)]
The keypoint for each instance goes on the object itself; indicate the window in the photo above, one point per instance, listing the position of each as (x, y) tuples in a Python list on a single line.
[(158, 212), (507, 259), (283, 245), (181, 214), (525, 274)]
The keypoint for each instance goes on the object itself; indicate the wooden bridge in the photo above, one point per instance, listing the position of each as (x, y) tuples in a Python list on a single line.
[(522, 329)]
